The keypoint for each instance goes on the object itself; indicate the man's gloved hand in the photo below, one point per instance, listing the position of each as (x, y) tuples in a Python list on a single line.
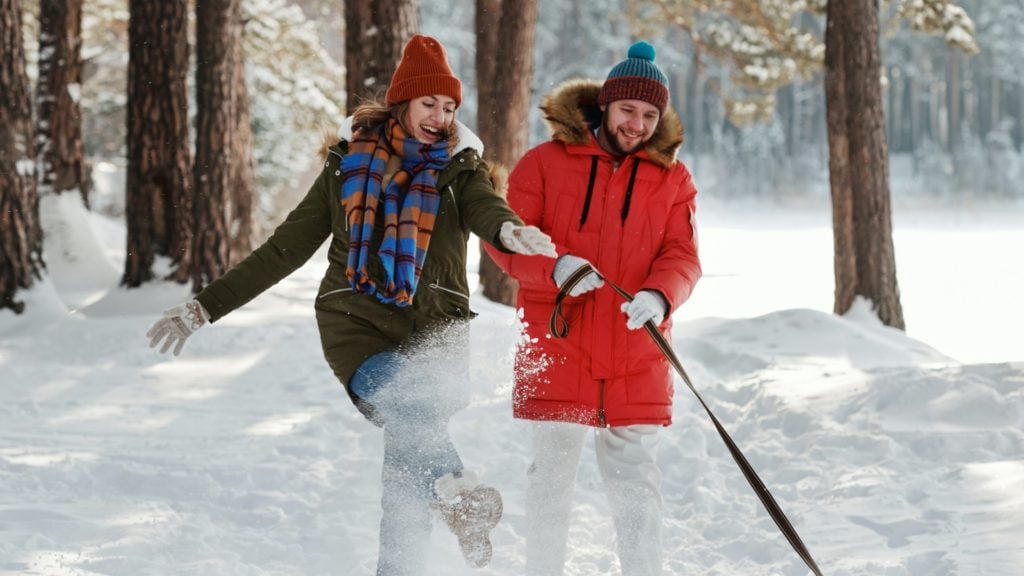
[(568, 264), (528, 240), (177, 324), (646, 305)]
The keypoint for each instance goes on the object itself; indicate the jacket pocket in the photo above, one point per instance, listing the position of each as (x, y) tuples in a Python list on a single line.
[(330, 293), (454, 303)]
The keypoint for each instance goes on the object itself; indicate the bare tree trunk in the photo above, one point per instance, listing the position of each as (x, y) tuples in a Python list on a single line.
[(915, 119), (995, 111), (375, 33), (1018, 126), (487, 20), (158, 206), (21, 240), (865, 263), (59, 115), (845, 266), (953, 100), (894, 115), (243, 171), (505, 131), (694, 103), (221, 159)]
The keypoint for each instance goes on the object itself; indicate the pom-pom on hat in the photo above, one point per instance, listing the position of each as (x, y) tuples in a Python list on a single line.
[(636, 78), (423, 71)]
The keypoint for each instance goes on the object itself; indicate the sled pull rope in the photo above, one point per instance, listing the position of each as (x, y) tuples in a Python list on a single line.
[(559, 328)]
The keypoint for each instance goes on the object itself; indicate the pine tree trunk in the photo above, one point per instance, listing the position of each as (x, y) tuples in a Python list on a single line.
[(486, 23), (865, 263), (21, 240), (845, 260), (506, 103), (59, 115), (220, 157), (694, 103), (915, 119), (995, 112), (1018, 126), (953, 100), (375, 33), (158, 205), (244, 171)]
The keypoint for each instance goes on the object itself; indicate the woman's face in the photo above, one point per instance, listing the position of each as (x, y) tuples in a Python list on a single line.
[(428, 117)]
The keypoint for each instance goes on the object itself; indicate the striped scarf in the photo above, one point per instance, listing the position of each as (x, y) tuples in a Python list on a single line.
[(410, 202)]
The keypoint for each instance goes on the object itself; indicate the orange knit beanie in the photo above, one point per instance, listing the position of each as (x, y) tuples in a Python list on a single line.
[(423, 71)]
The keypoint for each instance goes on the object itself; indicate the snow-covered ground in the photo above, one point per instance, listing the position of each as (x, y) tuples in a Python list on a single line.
[(892, 453)]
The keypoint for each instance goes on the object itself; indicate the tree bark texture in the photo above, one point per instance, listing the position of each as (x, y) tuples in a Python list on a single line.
[(504, 36), (158, 206), (59, 145), (243, 169), (21, 241), (221, 163), (954, 101), (865, 263), (375, 33)]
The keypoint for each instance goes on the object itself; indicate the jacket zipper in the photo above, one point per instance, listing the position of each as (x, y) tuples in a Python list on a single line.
[(339, 290), (600, 406), (437, 286)]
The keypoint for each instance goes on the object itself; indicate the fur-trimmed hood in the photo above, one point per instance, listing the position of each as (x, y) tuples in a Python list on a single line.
[(572, 113), (466, 138)]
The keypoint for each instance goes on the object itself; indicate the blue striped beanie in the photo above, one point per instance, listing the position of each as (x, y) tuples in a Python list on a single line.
[(636, 78)]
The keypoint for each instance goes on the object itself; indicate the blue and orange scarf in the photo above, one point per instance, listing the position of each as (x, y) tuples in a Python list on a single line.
[(410, 200)]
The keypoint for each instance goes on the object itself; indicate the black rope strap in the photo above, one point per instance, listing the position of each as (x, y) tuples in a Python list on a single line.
[(629, 190), (769, 503), (590, 191)]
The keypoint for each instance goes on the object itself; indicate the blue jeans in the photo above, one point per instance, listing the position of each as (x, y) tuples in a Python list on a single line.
[(417, 451)]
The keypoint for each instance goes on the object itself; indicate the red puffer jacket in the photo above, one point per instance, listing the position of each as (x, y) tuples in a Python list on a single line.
[(602, 374)]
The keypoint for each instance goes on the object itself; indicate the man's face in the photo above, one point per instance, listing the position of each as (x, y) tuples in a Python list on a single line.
[(628, 125)]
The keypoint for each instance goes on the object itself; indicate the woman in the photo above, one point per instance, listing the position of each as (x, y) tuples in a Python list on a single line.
[(399, 195)]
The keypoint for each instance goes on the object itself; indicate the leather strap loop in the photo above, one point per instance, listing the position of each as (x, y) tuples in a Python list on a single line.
[(558, 325)]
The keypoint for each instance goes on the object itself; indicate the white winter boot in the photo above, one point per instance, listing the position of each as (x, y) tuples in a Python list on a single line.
[(471, 511)]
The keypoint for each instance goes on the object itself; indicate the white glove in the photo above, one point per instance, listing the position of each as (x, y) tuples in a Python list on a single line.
[(568, 264), (528, 240), (177, 324), (646, 305)]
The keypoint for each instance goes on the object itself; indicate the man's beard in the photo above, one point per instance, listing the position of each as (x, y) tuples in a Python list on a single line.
[(613, 141)]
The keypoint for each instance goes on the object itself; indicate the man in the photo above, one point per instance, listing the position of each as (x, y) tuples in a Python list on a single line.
[(609, 191)]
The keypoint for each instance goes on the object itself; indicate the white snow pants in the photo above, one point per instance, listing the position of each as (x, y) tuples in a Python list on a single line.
[(625, 458)]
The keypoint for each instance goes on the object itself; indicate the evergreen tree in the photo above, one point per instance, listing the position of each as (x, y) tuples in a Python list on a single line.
[(375, 33), (158, 204), (223, 176), (505, 33), (58, 90), (865, 262), (21, 242)]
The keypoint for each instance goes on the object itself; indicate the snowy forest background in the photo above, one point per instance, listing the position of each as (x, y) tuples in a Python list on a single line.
[(955, 123), (893, 452)]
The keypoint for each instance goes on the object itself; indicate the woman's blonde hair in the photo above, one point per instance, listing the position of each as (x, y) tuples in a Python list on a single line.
[(373, 113)]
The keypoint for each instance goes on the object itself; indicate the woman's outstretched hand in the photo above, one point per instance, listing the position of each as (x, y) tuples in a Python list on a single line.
[(176, 325), (528, 240)]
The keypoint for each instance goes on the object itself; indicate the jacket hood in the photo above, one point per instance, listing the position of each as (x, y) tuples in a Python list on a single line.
[(572, 113), (467, 139)]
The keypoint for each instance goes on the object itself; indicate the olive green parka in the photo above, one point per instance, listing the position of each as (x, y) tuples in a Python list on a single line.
[(355, 326)]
